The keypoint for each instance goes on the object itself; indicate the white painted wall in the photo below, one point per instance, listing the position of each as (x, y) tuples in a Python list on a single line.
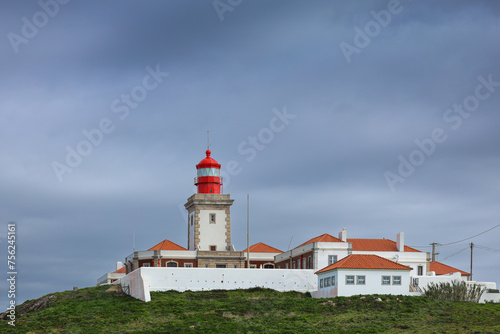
[(325, 249), (107, 278), (199, 279), (373, 283), (136, 285), (410, 259), (212, 234)]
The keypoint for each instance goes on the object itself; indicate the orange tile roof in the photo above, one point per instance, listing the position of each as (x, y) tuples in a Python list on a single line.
[(167, 245), (377, 245), (322, 238), (357, 261), (443, 269), (263, 248), (122, 270)]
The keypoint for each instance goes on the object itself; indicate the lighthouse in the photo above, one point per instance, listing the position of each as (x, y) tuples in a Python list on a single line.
[(209, 217), (208, 178)]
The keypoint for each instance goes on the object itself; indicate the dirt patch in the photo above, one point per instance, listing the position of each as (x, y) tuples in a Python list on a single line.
[(34, 305), (115, 288)]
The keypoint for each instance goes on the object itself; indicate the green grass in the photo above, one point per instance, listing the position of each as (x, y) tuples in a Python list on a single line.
[(95, 310)]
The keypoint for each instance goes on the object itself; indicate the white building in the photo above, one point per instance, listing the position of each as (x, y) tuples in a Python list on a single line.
[(321, 251), (363, 275)]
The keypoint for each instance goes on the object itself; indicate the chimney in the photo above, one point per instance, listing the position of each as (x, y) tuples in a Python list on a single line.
[(343, 235), (400, 242), (119, 264)]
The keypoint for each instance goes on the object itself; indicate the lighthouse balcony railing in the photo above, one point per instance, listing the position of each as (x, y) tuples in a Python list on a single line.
[(196, 179)]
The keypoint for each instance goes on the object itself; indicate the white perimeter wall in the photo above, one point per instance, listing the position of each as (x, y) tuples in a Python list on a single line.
[(212, 234), (136, 285), (146, 279)]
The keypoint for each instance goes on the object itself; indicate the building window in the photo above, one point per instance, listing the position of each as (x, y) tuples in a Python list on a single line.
[(349, 279), (304, 264), (235, 266), (220, 265), (188, 265), (206, 265), (333, 280), (298, 264), (310, 262), (386, 280), (286, 265), (268, 266), (212, 218), (327, 282), (213, 248), (192, 220), (252, 266), (321, 283), (332, 259), (293, 265), (145, 264), (420, 270), (171, 264), (360, 279), (396, 280)]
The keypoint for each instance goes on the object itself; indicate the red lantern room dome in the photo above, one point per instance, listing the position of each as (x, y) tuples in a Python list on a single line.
[(208, 178), (208, 162)]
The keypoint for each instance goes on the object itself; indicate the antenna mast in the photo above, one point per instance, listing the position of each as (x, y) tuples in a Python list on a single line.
[(248, 231), (208, 139)]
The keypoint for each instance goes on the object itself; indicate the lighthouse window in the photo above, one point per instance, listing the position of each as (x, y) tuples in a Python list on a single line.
[(209, 172), (212, 218)]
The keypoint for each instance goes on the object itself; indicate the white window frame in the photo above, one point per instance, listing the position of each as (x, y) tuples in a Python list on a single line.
[(332, 280), (387, 280), (361, 278), (332, 257), (348, 278), (396, 278), (212, 218)]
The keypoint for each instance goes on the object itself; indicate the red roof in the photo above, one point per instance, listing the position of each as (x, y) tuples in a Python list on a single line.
[(263, 248), (442, 269), (167, 245), (322, 238), (356, 261), (122, 270), (377, 245)]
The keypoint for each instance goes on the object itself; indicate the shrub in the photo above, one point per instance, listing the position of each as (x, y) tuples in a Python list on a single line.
[(456, 291)]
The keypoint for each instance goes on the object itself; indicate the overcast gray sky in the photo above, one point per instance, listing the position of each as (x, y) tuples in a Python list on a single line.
[(377, 116)]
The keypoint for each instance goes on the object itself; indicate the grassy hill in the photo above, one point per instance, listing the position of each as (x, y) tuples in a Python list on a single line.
[(98, 310)]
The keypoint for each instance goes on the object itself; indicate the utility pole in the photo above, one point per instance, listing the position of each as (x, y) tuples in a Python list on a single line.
[(471, 248), (434, 251)]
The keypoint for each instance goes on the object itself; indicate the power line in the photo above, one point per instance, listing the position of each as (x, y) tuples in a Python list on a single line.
[(456, 242), (488, 248), (460, 251)]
